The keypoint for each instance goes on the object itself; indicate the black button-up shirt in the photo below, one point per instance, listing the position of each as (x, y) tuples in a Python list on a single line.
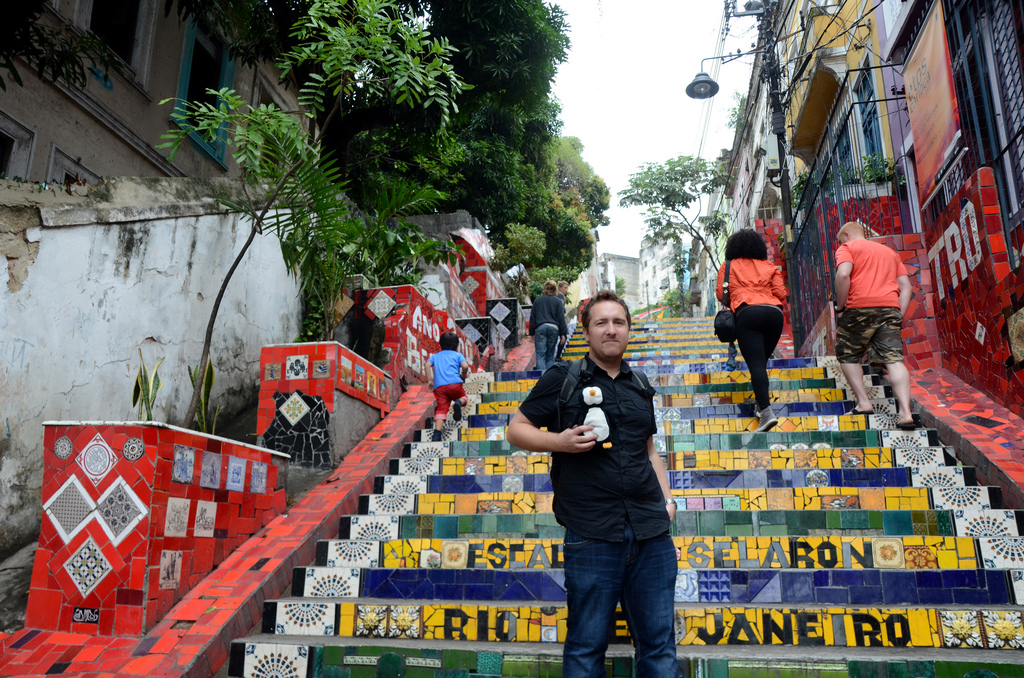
[(598, 490)]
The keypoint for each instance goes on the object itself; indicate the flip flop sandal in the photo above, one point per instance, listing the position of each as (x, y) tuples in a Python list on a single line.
[(856, 411)]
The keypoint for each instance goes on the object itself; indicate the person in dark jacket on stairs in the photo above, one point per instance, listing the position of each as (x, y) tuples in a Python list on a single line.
[(547, 325)]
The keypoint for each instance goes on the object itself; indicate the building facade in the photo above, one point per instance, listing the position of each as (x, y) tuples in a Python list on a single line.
[(658, 269), (614, 266), (113, 126)]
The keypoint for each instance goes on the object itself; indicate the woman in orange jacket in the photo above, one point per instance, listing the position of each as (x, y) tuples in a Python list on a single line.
[(756, 293)]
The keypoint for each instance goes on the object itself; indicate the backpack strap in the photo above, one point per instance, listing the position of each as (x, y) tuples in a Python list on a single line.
[(568, 386), (572, 379)]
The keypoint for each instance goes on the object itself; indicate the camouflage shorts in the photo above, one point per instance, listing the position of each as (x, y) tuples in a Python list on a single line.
[(875, 331)]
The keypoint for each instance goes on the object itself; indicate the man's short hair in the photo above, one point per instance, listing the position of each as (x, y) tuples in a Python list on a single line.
[(449, 341), (549, 287), (854, 228), (604, 295)]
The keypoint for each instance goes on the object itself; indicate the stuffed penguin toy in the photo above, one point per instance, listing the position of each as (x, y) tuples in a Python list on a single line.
[(595, 415)]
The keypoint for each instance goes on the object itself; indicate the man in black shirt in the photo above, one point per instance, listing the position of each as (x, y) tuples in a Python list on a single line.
[(611, 496)]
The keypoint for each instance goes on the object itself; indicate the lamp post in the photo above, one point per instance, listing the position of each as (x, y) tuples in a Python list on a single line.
[(703, 87)]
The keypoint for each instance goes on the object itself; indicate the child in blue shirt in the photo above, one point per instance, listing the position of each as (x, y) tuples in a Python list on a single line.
[(447, 372)]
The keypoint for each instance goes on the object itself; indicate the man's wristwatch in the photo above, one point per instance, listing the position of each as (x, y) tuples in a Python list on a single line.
[(670, 502)]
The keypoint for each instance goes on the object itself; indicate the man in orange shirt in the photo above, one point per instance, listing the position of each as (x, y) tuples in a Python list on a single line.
[(872, 295)]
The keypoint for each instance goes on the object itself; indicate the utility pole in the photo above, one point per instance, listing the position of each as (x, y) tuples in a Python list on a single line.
[(771, 74)]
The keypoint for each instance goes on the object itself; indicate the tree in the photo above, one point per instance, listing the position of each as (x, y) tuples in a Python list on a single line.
[(739, 108), (668, 191), (620, 285), (366, 45)]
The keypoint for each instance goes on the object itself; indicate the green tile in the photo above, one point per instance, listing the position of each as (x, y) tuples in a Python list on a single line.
[(334, 655), (875, 520), (898, 670), (924, 669), (945, 528), (834, 520), (331, 671), (773, 531), (508, 523), (489, 524), (868, 669), (685, 524), (465, 524), (854, 520), (739, 518), (718, 668), (897, 523), (446, 527), (711, 523), (772, 517), (407, 528), (459, 659), (488, 662), (478, 524), (739, 530)]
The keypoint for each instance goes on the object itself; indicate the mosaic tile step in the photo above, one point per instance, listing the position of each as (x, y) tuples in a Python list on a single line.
[(730, 499), (885, 413), (902, 626), (707, 523), (677, 479), (686, 396), (536, 463), (736, 586), (842, 552), (772, 440), (803, 456)]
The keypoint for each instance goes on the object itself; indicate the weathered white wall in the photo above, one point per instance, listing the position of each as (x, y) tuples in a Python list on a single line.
[(136, 265)]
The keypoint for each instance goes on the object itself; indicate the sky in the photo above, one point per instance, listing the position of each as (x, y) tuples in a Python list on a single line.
[(622, 91)]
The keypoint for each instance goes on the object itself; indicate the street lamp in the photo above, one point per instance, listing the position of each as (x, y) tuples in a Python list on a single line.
[(703, 86), (751, 8)]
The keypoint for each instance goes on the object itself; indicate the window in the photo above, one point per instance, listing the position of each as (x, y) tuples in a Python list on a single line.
[(15, 148), (204, 66), (127, 26), (868, 115), (116, 21), (64, 169)]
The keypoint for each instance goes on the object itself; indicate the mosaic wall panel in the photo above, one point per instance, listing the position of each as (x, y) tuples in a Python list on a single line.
[(978, 298), (509, 316), (318, 369), (412, 327), (134, 516), (299, 384), (483, 332)]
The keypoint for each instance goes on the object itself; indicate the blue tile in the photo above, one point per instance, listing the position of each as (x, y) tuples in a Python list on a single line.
[(998, 592), (872, 577), (931, 579), (448, 591), (478, 592), (798, 587), (941, 596), (899, 587), (847, 578), (821, 578), (970, 597), (832, 594), (866, 595)]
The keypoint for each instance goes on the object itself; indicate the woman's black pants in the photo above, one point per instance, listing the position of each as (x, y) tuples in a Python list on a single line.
[(758, 329)]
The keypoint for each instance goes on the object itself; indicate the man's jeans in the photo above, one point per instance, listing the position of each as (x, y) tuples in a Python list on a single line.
[(545, 341), (639, 574)]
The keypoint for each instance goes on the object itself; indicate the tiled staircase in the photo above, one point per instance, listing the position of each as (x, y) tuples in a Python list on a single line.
[(853, 549)]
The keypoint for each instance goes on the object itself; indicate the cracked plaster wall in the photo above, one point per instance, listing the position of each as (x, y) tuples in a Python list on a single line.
[(90, 282)]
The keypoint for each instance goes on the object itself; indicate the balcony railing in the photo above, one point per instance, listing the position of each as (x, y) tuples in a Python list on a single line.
[(853, 177)]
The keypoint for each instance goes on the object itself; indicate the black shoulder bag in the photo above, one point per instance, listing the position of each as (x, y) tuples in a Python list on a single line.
[(725, 320)]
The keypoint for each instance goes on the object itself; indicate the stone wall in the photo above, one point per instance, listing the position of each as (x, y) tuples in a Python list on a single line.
[(91, 280)]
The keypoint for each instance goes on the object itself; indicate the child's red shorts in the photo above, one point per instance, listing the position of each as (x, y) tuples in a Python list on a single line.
[(444, 396)]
